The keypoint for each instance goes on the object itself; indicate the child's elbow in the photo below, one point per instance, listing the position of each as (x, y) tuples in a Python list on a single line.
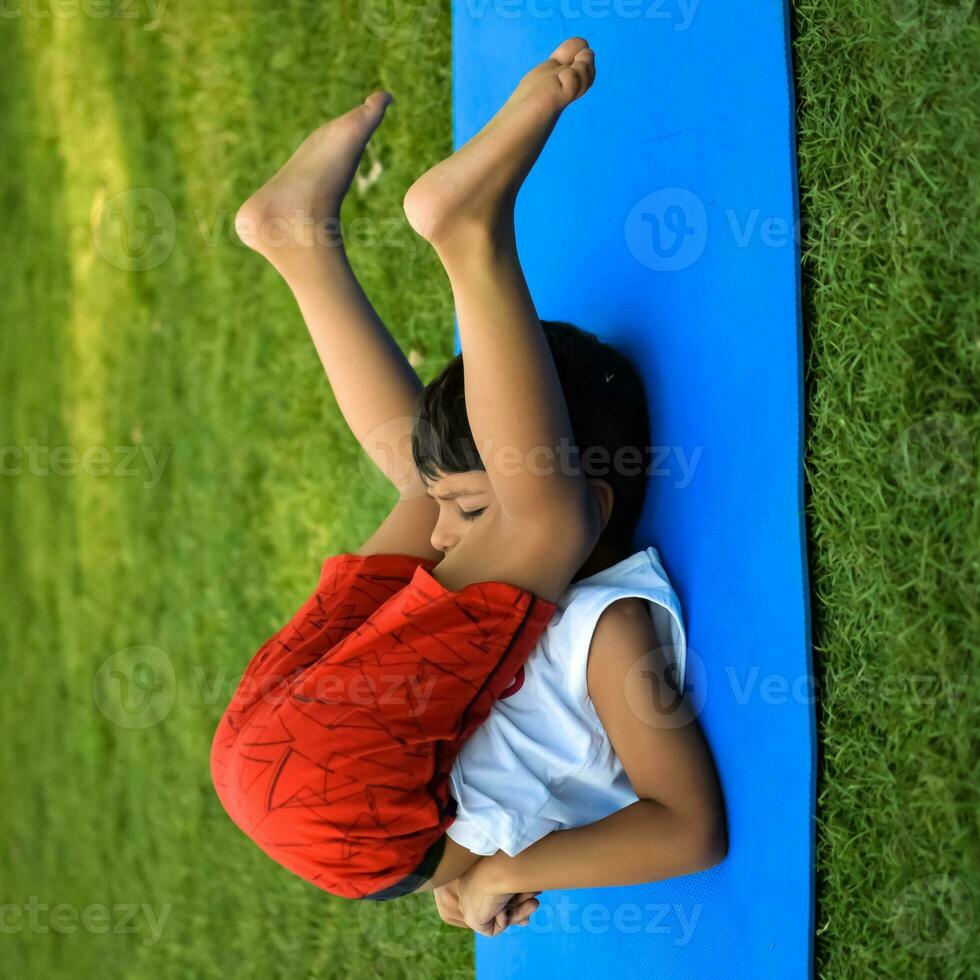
[(710, 844), (701, 841)]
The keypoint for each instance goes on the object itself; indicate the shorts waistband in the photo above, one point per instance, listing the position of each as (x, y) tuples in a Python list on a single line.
[(414, 879)]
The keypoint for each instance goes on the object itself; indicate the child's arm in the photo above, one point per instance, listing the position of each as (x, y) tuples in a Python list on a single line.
[(464, 207), (373, 383), (514, 402), (544, 521), (675, 828), (517, 911), (375, 387), (294, 222)]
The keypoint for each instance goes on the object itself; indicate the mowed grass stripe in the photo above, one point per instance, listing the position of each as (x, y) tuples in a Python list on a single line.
[(204, 354)]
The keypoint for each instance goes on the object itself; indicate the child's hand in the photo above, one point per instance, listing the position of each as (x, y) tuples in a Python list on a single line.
[(487, 913), (447, 903), (519, 909)]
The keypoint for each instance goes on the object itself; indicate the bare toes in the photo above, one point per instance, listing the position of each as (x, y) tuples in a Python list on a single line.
[(379, 101), (565, 53), (570, 83), (361, 121), (584, 65), (576, 78)]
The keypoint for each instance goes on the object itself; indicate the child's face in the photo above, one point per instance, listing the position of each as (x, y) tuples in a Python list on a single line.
[(463, 499)]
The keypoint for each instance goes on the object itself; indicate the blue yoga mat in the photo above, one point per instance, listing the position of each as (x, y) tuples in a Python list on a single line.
[(662, 215)]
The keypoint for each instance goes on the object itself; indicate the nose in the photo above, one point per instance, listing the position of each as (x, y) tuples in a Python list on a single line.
[(443, 538)]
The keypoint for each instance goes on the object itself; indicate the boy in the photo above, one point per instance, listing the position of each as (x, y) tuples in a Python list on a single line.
[(336, 751)]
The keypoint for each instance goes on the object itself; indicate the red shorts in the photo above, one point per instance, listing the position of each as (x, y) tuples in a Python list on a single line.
[(334, 754)]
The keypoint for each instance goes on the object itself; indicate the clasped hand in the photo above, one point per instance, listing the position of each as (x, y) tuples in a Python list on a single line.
[(466, 903)]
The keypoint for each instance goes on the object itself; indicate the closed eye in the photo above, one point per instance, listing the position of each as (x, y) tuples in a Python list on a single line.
[(472, 515)]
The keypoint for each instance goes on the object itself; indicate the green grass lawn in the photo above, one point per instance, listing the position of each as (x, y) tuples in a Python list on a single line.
[(889, 138), (200, 538)]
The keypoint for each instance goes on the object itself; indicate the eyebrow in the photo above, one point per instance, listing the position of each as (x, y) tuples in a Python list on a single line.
[(454, 494)]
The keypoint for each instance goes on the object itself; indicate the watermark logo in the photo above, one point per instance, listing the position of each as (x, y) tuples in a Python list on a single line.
[(300, 229), (124, 918), (679, 14), (37, 459), (135, 687), (934, 457), (667, 688), (150, 11), (135, 230), (386, 458), (562, 914), (403, 928), (399, 20), (932, 20), (749, 684), (667, 230), (934, 915)]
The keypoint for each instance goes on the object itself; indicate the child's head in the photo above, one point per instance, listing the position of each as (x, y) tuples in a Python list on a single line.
[(608, 411)]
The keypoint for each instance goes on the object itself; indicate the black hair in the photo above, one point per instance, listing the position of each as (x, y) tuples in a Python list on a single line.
[(607, 407)]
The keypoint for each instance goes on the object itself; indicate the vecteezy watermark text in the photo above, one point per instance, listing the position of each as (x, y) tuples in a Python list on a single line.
[(119, 461), (123, 918), (136, 688), (93, 9), (388, 450)]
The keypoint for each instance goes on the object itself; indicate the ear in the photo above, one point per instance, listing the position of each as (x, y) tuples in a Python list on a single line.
[(603, 493)]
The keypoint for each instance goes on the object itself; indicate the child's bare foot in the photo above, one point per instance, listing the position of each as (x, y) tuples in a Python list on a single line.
[(477, 186), (290, 211)]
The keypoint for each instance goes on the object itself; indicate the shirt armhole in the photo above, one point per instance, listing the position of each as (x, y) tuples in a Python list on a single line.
[(583, 694)]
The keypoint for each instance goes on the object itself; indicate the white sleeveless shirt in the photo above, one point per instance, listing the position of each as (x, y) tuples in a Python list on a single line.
[(542, 760)]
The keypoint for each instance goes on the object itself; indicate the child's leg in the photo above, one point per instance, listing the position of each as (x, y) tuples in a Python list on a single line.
[(293, 221), (547, 521)]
